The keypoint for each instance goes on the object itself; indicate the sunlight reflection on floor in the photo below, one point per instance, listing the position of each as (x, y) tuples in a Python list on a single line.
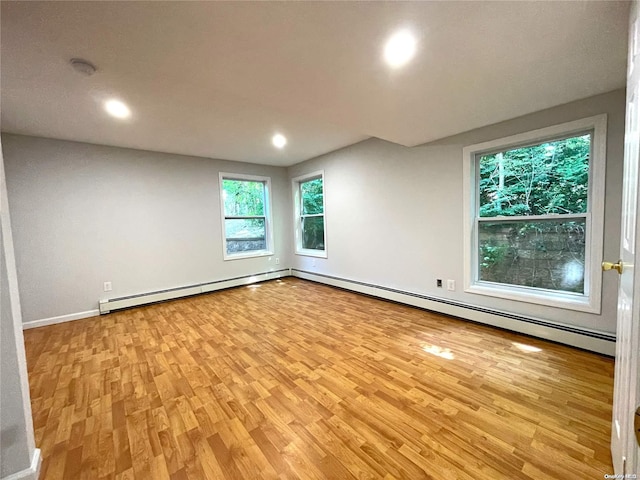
[(439, 352), (526, 348)]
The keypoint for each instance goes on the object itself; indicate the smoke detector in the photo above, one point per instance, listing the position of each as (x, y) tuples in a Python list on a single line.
[(83, 66)]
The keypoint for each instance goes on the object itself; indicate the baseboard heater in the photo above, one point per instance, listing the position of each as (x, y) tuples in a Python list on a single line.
[(587, 339), (111, 304)]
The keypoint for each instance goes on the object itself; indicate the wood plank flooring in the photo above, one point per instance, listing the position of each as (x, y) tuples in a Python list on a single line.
[(290, 379)]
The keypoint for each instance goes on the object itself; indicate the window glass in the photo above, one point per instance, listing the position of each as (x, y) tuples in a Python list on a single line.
[(543, 179), (310, 216), (312, 196), (550, 178), (243, 197), (313, 233), (545, 254), (246, 223)]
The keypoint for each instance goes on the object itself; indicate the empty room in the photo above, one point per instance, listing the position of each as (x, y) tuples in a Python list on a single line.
[(319, 240)]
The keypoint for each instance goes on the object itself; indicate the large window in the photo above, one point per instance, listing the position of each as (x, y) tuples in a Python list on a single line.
[(246, 213), (534, 229), (310, 215)]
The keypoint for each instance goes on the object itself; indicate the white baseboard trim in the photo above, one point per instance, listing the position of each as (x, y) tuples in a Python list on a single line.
[(31, 473), (61, 319), (592, 340), (108, 305)]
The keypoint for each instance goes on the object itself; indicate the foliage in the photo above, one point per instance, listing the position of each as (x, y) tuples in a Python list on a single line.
[(313, 233), (548, 178), (243, 198), (491, 254), (312, 195)]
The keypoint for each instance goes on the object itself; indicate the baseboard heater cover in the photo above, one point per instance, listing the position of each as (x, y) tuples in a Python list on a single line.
[(587, 339), (111, 304)]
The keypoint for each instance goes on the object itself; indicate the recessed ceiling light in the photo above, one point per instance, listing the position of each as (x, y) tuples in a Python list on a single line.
[(117, 109), (279, 140), (400, 48)]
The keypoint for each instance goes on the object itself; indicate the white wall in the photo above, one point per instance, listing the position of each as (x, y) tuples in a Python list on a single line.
[(85, 214), (18, 455), (394, 214)]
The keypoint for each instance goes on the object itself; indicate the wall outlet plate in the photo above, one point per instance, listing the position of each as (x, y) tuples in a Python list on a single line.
[(439, 283), (451, 285), (107, 286)]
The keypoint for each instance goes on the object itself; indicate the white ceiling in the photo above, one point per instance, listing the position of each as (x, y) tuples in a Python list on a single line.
[(217, 79)]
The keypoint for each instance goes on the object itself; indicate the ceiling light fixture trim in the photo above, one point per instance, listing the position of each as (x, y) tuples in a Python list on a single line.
[(83, 66)]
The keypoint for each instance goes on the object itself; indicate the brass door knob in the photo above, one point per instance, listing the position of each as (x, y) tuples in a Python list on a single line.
[(612, 266)]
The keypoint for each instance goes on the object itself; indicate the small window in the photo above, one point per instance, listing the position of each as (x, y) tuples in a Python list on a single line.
[(246, 213), (310, 215), (536, 215)]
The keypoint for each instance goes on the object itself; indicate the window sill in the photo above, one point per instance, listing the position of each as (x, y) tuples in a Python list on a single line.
[(239, 256), (312, 253), (549, 298)]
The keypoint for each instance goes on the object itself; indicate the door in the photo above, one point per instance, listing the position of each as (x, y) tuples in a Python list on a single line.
[(626, 396)]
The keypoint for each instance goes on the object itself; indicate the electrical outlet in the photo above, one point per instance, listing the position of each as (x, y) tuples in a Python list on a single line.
[(439, 283), (107, 286), (277, 261), (451, 285)]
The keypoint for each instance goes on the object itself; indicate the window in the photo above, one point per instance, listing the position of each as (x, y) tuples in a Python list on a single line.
[(534, 228), (245, 209), (310, 215)]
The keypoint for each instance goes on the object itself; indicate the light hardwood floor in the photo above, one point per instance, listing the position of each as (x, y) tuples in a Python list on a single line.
[(291, 379)]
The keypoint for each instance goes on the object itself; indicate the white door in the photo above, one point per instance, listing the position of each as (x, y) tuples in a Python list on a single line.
[(626, 397)]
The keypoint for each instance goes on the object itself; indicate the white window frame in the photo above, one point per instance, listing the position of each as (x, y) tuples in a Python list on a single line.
[(267, 216), (297, 213), (590, 301)]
